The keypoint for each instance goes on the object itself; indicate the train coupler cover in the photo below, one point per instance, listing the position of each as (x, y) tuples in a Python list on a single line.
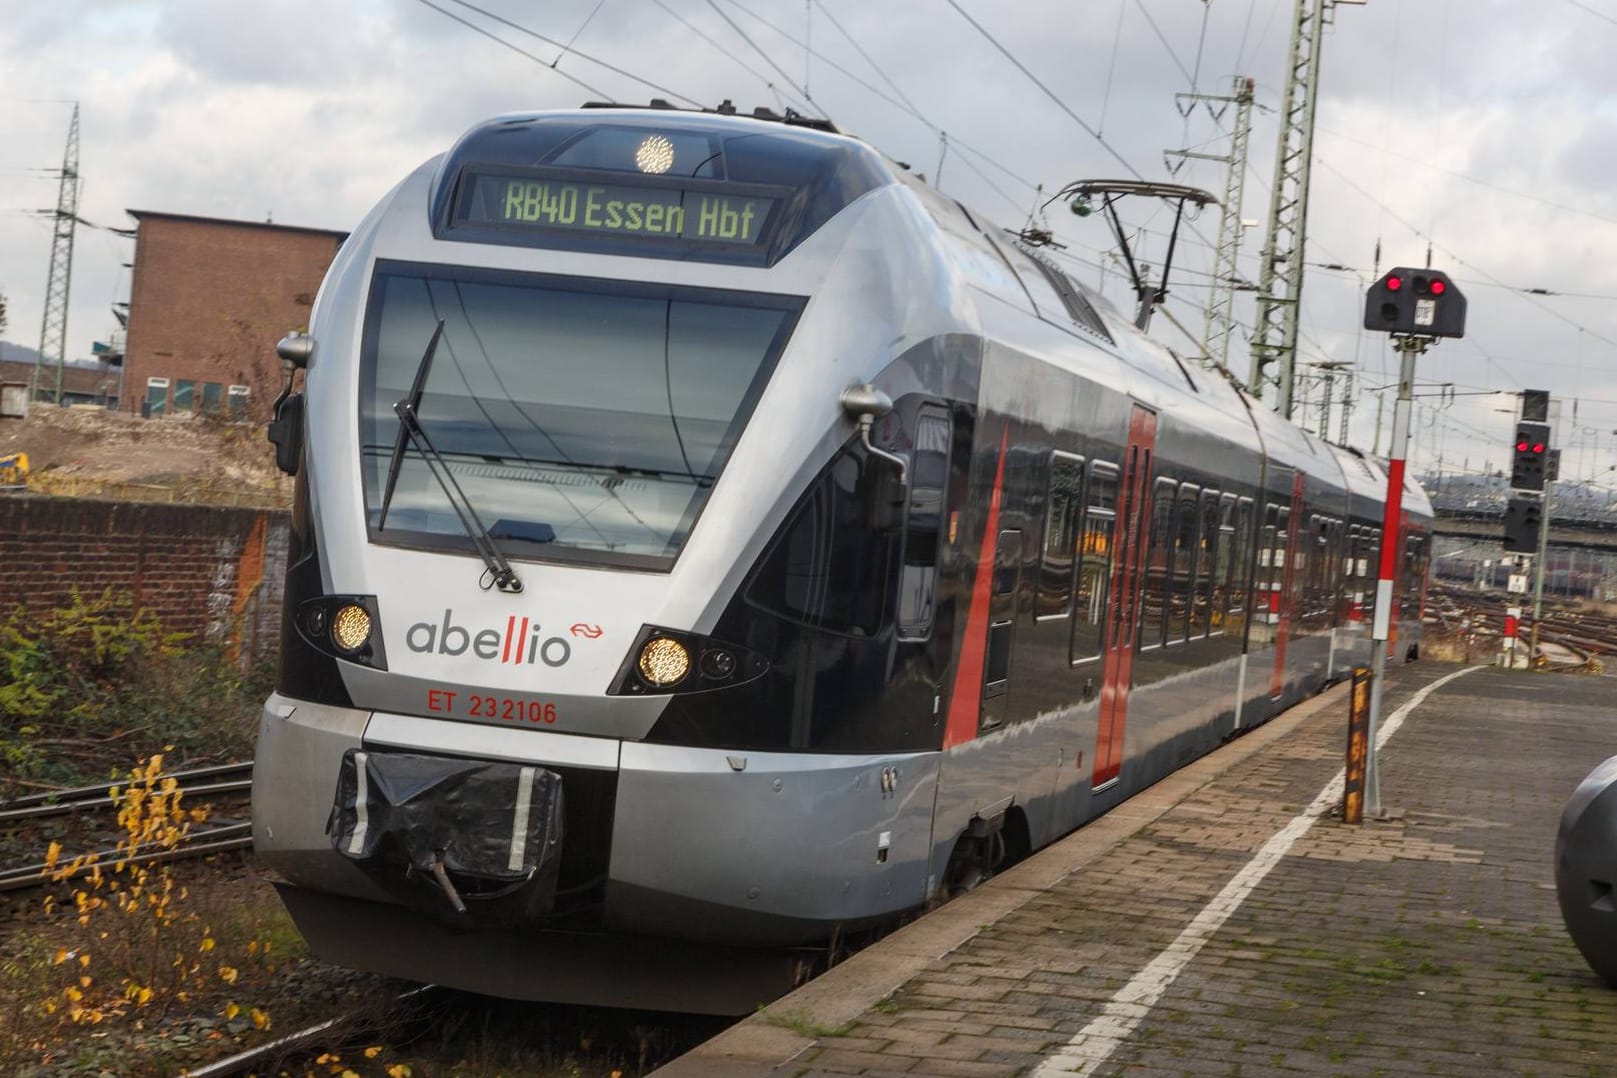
[(474, 843)]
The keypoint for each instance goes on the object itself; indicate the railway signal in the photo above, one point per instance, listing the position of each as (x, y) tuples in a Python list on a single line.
[(1415, 306), (1416, 303), (1524, 517), (1529, 454)]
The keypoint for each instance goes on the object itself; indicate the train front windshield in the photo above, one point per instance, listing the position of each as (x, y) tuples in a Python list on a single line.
[(586, 420)]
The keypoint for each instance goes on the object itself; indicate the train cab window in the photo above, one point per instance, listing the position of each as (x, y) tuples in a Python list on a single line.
[(1182, 572), (1094, 564), (1158, 560), (1062, 507), (827, 569), (586, 421), (1208, 544), (923, 524)]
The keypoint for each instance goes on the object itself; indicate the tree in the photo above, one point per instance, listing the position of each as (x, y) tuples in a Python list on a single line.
[(2, 312)]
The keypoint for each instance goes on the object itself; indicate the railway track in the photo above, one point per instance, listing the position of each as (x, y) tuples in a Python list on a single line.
[(1587, 635), (330, 1033), (196, 785)]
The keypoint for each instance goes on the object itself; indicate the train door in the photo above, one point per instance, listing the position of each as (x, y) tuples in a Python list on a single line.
[(1123, 612), (1288, 526)]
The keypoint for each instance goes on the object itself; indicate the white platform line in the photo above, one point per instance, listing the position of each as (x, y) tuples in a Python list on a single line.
[(1094, 1044)]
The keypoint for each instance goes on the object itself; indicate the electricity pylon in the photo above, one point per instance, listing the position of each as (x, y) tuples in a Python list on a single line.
[(1220, 321), (53, 328)]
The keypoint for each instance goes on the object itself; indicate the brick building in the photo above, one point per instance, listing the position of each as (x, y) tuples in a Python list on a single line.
[(80, 385), (209, 299)]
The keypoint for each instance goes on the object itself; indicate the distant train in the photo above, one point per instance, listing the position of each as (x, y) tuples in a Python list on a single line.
[(709, 538)]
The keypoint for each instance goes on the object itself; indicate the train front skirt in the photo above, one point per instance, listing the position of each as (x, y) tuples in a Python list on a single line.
[(473, 843)]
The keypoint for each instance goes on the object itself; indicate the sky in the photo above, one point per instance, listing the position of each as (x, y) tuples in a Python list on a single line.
[(1477, 133)]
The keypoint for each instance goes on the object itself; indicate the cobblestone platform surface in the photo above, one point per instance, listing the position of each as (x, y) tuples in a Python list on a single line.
[(1225, 922)]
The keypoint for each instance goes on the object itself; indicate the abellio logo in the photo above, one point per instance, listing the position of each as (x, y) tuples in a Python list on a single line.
[(521, 642)]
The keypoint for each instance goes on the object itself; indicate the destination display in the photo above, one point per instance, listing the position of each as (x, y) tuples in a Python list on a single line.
[(670, 213)]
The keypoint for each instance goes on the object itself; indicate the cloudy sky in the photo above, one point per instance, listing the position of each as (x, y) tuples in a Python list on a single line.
[(1484, 131)]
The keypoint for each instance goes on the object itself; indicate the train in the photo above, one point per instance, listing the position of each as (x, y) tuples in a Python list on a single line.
[(710, 540)]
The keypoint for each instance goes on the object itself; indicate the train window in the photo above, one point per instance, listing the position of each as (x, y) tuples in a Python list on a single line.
[(1002, 613), (1223, 552), (929, 475), (1158, 558), (1371, 570), (1240, 557), (1202, 599), (585, 420), (828, 568), (1409, 586), (1094, 564), (1184, 569), (1061, 512), (1270, 560)]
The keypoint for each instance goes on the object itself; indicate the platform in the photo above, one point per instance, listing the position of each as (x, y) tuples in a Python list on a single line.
[(1225, 922)]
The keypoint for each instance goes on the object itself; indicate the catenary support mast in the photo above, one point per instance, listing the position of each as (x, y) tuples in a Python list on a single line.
[(53, 327), (1280, 280)]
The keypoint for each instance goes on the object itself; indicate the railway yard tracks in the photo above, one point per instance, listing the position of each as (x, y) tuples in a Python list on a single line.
[(1578, 639)]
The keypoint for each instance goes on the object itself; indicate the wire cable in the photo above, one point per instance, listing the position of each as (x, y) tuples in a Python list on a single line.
[(1034, 79), (514, 48), (766, 57), (578, 53), (738, 61)]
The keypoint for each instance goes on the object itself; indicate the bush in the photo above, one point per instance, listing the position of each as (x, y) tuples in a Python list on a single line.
[(88, 685)]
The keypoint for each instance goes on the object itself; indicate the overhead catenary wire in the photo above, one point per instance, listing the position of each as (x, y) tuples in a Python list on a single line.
[(764, 55), (1450, 253), (897, 99), (519, 28), (769, 83), (1051, 94), (519, 50)]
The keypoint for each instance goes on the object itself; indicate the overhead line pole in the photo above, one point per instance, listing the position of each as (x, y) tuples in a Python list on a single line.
[(53, 324), (1220, 318), (1280, 281)]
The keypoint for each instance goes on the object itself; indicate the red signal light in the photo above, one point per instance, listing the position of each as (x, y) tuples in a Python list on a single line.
[(1438, 288), (1538, 447), (1394, 283), (1521, 447)]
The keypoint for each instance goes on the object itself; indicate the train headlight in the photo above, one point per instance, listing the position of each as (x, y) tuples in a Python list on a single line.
[(351, 628), (346, 627), (655, 155), (664, 662)]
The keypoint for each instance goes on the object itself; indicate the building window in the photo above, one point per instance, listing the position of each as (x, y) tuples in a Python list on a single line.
[(185, 395), (213, 398), (238, 400), (156, 397)]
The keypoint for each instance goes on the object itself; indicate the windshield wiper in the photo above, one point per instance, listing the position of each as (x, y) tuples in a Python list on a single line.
[(499, 571)]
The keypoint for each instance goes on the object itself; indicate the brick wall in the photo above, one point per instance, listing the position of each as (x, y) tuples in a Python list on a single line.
[(213, 572)]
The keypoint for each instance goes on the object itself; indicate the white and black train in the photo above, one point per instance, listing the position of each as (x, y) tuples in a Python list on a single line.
[(709, 538)]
